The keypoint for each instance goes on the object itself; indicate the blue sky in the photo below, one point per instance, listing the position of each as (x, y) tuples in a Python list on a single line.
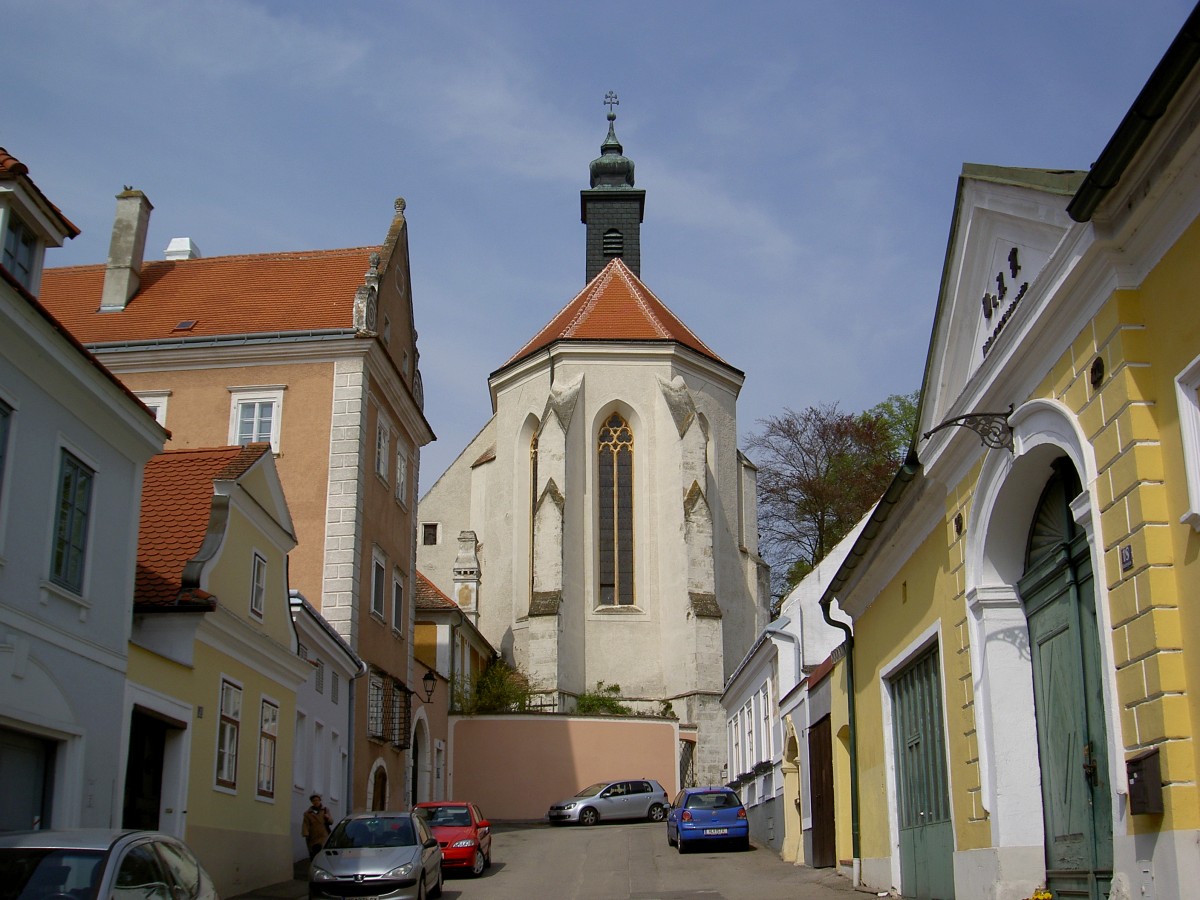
[(800, 158)]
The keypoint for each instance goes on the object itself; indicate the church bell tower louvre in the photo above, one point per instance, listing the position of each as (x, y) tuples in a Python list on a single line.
[(612, 209)]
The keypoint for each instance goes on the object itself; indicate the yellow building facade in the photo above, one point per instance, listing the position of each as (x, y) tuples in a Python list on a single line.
[(213, 668), (1025, 663)]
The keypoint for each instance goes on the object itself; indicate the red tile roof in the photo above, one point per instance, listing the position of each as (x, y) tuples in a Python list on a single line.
[(12, 168), (222, 295), (429, 597), (615, 306), (177, 500)]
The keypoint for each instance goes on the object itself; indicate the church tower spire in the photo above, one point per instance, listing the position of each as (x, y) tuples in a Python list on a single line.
[(612, 209)]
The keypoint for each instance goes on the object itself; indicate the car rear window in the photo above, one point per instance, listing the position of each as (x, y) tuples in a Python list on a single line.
[(455, 816), (380, 831), (30, 872), (713, 800)]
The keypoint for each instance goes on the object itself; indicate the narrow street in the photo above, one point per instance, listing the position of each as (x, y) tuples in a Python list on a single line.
[(633, 862)]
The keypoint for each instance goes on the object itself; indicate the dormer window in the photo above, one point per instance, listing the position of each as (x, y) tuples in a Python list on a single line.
[(20, 244)]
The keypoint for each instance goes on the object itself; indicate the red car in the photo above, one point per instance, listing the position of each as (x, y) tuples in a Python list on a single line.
[(464, 834)]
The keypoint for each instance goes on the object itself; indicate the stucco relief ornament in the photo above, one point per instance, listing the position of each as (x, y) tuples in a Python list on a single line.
[(366, 300)]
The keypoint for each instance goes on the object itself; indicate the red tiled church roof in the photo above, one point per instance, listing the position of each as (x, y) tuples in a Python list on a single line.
[(615, 306), (222, 295), (177, 499), (429, 597)]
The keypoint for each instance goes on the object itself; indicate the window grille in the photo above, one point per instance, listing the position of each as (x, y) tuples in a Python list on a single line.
[(613, 243)]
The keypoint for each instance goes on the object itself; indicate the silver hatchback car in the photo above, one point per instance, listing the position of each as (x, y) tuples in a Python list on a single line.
[(640, 798), (382, 855), (74, 864)]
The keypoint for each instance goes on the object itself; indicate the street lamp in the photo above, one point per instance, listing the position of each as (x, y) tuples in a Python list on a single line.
[(429, 680)]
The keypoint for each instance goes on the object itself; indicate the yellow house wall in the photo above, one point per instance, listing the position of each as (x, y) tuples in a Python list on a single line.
[(230, 579), (1145, 338), (219, 819), (425, 643)]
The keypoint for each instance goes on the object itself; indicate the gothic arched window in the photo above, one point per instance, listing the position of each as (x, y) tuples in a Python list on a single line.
[(615, 496)]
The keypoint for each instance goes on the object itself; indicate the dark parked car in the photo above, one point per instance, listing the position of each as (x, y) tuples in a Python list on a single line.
[(463, 833), (80, 864), (641, 798), (705, 815), (384, 855)]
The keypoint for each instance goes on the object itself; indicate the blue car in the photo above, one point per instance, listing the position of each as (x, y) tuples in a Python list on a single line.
[(703, 815)]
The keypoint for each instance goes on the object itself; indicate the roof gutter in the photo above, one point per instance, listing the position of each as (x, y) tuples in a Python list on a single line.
[(1151, 104), (879, 516)]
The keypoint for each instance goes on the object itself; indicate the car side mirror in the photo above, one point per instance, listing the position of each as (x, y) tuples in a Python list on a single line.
[(431, 842), (484, 823)]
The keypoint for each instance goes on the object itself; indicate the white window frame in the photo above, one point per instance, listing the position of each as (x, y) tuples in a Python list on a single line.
[(258, 585), (378, 584), (397, 601), (402, 469), (383, 446), (56, 578), (157, 402), (240, 396), (1187, 400), (229, 724), (268, 748)]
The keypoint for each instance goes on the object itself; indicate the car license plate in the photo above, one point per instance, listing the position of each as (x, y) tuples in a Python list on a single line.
[(716, 831)]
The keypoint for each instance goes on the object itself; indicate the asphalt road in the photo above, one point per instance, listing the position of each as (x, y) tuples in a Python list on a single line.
[(633, 862)]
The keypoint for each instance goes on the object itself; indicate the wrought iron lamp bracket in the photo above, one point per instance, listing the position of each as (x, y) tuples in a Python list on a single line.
[(992, 427)]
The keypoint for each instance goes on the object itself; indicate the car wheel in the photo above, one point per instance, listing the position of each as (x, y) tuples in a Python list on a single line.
[(487, 859), (744, 844), (478, 864), (670, 840), (588, 816), (657, 812), (679, 845), (421, 895), (437, 887)]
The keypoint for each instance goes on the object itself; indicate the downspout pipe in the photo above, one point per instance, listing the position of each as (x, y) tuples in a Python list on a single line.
[(776, 630), (883, 509)]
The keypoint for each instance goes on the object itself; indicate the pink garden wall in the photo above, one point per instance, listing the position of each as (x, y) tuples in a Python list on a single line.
[(515, 766)]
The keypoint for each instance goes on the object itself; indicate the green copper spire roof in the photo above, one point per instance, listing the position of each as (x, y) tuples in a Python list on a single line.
[(612, 169)]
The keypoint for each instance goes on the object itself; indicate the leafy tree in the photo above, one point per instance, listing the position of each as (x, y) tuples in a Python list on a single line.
[(819, 471), (500, 688), (605, 700)]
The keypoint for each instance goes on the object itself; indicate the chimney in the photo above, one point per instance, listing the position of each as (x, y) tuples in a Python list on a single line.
[(122, 275), (182, 248)]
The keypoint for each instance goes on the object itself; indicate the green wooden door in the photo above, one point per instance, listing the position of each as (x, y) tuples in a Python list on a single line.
[(1059, 597), (926, 833)]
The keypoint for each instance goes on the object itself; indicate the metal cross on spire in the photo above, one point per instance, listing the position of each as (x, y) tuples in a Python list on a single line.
[(610, 100)]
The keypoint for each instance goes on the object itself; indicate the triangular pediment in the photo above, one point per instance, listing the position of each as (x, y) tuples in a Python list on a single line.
[(1007, 225)]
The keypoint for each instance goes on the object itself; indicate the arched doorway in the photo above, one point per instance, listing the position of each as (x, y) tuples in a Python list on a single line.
[(379, 789), (1058, 595), (422, 762)]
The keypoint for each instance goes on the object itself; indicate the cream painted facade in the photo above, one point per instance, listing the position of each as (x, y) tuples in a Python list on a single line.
[(183, 664), (1054, 669)]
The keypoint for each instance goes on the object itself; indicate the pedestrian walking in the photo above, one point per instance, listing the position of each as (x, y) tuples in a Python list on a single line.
[(316, 825)]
